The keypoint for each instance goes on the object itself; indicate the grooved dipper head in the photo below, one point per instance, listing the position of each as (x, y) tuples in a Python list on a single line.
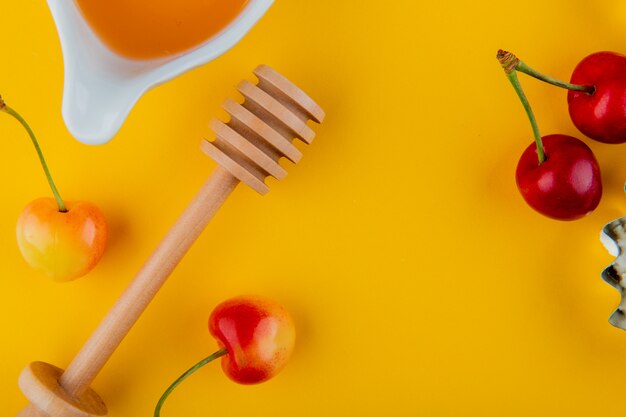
[(261, 130)]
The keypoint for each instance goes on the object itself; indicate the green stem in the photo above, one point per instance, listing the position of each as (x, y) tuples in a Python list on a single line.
[(522, 67), (16, 115), (509, 63), (168, 391)]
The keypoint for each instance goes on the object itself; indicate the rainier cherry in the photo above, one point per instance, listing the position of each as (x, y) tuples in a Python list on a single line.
[(596, 96), (65, 241), (256, 338), (558, 175)]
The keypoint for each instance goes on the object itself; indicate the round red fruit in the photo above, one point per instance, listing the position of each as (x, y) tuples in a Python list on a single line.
[(567, 185), (258, 334), (600, 115)]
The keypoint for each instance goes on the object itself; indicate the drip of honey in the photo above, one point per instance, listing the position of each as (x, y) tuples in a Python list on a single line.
[(146, 29)]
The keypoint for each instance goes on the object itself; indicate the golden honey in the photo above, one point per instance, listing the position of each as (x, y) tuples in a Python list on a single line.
[(145, 29)]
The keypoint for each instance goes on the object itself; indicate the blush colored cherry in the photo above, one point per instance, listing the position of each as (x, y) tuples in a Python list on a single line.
[(257, 333), (558, 175), (567, 185), (601, 114), (63, 240), (256, 337), (63, 245)]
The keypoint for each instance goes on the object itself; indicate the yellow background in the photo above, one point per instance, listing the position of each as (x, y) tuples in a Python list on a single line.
[(420, 282)]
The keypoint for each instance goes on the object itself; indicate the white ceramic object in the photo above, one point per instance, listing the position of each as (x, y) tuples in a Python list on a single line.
[(102, 87)]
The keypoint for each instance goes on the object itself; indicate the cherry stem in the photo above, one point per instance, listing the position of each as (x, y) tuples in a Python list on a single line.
[(193, 369), (513, 62), (509, 63), (522, 67), (16, 115)]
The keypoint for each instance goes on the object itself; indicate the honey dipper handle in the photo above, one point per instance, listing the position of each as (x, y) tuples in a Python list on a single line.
[(118, 322), (31, 411)]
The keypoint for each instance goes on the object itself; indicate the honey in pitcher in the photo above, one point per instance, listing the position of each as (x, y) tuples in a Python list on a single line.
[(146, 29)]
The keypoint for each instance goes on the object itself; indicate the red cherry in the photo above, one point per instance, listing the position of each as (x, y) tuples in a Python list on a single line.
[(258, 335), (256, 338), (567, 185), (600, 115)]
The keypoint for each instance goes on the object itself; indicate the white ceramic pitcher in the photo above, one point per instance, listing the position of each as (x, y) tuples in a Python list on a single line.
[(102, 87)]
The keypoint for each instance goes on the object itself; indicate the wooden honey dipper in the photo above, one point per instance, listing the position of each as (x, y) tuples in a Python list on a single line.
[(247, 149)]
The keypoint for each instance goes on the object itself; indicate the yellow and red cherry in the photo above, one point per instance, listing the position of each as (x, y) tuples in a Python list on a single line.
[(257, 333), (63, 245), (63, 240), (256, 337)]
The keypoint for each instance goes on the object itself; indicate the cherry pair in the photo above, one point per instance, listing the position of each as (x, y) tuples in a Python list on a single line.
[(559, 175)]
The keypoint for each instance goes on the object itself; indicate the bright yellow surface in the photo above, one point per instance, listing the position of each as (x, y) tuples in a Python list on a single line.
[(420, 282)]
